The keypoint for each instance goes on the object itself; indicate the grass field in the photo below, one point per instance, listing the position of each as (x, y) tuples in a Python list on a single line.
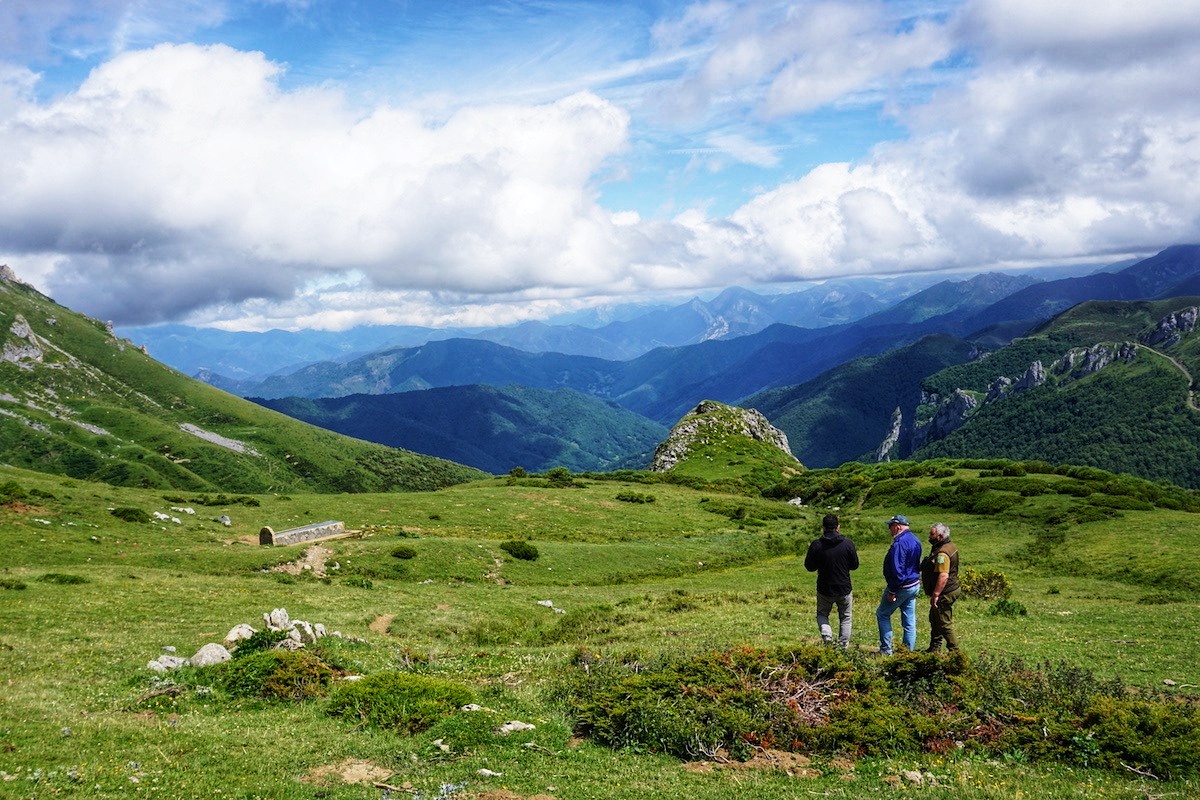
[(88, 600)]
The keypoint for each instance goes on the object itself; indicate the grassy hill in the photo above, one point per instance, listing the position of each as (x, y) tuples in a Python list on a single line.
[(79, 402), (634, 574)]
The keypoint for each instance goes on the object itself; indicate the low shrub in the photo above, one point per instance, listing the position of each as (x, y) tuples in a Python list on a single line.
[(12, 492), (265, 639), (1120, 502), (635, 497), (987, 584), (398, 701), (61, 579), (404, 552), (277, 674), (522, 550), (823, 701), (128, 514), (8, 583), (1007, 608)]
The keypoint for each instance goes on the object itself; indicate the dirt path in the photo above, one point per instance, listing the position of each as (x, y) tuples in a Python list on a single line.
[(381, 624), (313, 561)]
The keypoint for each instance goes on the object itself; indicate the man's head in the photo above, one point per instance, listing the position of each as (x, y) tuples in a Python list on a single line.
[(939, 532), (897, 523), (830, 522)]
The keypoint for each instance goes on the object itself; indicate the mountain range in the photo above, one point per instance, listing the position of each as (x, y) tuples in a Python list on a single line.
[(614, 332), (857, 390), (833, 390)]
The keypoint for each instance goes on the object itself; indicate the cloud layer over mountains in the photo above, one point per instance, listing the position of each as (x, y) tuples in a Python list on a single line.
[(200, 178)]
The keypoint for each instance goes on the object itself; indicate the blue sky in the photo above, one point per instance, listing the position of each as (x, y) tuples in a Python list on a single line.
[(329, 163)]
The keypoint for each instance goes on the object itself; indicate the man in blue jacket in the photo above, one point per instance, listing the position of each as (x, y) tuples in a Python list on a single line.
[(902, 573)]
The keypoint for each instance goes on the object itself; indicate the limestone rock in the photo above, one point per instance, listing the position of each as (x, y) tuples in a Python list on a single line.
[(709, 421), (209, 654), (237, 634)]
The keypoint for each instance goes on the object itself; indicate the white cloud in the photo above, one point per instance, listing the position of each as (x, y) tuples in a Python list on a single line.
[(187, 179), (190, 165), (792, 58)]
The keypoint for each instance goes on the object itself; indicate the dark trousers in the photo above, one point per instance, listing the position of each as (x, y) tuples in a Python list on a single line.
[(941, 623)]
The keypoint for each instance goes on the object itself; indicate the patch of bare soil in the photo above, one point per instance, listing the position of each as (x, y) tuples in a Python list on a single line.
[(795, 765), (313, 561), (349, 771), (505, 794), (381, 623)]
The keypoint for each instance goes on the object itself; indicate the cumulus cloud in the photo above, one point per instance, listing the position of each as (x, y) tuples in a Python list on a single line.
[(192, 165), (1066, 139), (195, 179)]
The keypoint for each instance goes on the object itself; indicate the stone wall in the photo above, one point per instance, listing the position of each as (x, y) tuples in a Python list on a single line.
[(309, 533)]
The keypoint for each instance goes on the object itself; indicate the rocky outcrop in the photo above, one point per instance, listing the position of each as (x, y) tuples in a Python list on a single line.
[(709, 421), (25, 348), (1171, 329), (1079, 362), (884, 451), (951, 414)]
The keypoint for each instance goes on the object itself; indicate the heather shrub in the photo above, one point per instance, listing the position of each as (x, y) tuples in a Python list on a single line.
[(823, 701), (277, 674), (398, 701), (520, 550), (258, 641), (128, 514), (986, 584)]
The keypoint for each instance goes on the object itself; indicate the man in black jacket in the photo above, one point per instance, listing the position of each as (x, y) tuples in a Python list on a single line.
[(832, 557)]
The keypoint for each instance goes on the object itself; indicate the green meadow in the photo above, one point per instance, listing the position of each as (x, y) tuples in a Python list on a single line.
[(632, 570)]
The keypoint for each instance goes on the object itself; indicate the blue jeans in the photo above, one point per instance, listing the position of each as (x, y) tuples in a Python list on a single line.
[(906, 601)]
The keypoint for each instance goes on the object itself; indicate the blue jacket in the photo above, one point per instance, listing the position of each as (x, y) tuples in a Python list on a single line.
[(902, 564)]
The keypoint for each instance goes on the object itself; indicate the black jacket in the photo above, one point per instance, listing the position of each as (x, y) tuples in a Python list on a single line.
[(832, 557)]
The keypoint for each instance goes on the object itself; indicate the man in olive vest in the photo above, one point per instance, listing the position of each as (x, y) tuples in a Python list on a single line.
[(939, 579)]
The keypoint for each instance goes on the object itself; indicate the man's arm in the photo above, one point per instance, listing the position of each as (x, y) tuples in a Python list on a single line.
[(937, 588)]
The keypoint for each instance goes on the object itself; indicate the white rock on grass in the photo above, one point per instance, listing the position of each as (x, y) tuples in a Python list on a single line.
[(166, 663), (208, 655), (238, 633)]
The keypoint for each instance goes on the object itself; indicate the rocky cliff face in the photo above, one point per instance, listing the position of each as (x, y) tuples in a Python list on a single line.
[(943, 415), (708, 422)]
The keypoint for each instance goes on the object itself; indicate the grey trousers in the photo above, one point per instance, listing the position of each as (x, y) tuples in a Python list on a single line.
[(845, 608)]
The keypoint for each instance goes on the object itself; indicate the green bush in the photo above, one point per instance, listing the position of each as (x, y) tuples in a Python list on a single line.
[(1159, 737), (520, 550), (987, 584), (12, 492), (1007, 608), (265, 639), (7, 583), (404, 552), (635, 497), (823, 701), (398, 701), (128, 514), (277, 674), (1120, 502), (61, 579)]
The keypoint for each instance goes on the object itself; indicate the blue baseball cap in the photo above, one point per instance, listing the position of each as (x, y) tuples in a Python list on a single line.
[(898, 519)]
